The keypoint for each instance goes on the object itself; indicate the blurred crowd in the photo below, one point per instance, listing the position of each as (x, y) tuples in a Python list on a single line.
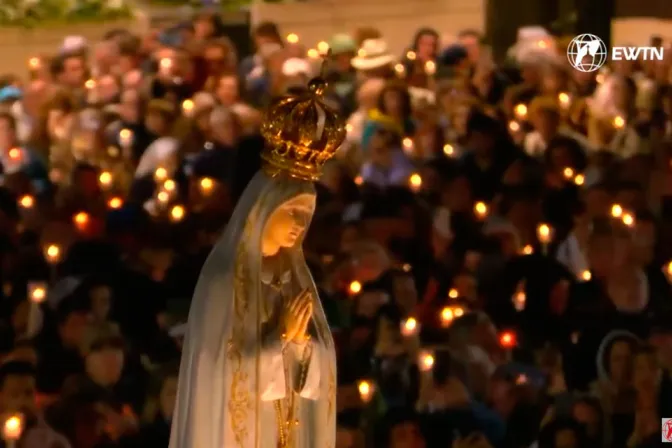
[(491, 243)]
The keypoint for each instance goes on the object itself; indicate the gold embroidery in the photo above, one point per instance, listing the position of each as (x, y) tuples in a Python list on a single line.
[(239, 400)]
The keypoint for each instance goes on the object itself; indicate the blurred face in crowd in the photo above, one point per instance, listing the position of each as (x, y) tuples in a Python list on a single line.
[(216, 58), (560, 156), (566, 438), (646, 375), (7, 134), (546, 123), (18, 394), (473, 46), (167, 397), (598, 202), (104, 365), (600, 255), (101, 301), (457, 195), (261, 39), (156, 123), (72, 329), (589, 417), (74, 72), (620, 363), (288, 222), (224, 128), (204, 28), (624, 254), (426, 47), (481, 143), (227, 90), (406, 435), (130, 106), (393, 103), (107, 88)]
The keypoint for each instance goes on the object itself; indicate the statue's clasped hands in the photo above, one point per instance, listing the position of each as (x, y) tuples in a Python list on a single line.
[(296, 315)]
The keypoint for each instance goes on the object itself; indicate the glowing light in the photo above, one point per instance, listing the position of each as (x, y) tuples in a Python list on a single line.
[(38, 294), (430, 68), (161, 173), (125, 138), (15, 154), (528, 250), (514, 126), (177, 213), (448, 150), (411, 56), (409, 327), (544, 232), (507, 339), (568, 173), (415, 182), (34, 63), (366, 390), (355, 287), (163, 197), (616, 211), (453, 293), (292, 38), (579, 179), (187, 107), (81, 219), (564, 99), (400, 69), (322, 47), (481, 210), (27, 201), (206, 185), (90, 84), (115, 203), (628, 220), (169, 185), (53, 253), (521, 110), (105, 179), (586, 276), (13, 428), (425, 361), (619, 122), (313, 53)]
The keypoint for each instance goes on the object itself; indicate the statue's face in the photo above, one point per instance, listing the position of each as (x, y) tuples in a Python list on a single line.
[(288, 222)]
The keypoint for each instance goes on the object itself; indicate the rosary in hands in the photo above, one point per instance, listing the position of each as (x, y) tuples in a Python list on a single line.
[(296, 316)]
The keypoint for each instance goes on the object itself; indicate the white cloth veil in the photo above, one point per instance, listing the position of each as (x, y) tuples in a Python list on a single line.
[(221, 372)]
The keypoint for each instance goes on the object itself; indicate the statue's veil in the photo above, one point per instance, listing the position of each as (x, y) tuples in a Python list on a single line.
[(221, 371)]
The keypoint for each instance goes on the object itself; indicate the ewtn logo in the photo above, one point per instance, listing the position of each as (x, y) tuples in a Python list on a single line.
[(587, 53)]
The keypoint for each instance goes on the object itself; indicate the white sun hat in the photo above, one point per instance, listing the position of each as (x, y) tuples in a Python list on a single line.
[(372, 54)]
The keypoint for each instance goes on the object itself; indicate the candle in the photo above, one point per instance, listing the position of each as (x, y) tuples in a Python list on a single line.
[(169, 185), (323, 47), (425, 361), (366, 390), (163, 197), (568, 173), (91, 94), (514, 126), (586, 276), (125, 138), (400, 70), (521, 380), (564, 100), (544, 234), (12, 430), (453, 293), (206, 185), (507, 339), (354, 288), (619, 122), (37, 293), (448, 150), (313, 53), (52, 253), (415, 182), (187, 107), (115, 203), (165, 66), (34, 63), (409, 327), (410, 55), (430, 68), (160, 174), (628, 220), (177, 213), (579, 179), (616, 211), (481, 210), (27, 201), (447, 315), (406, 267), (521, 111), (15, 155), (519, 297), (407, 144), (359, 180), (527, 250), (81, 220), (292, 38), (105, 180)]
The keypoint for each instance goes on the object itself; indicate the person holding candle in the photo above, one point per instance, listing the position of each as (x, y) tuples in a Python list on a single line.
[(18, 397)]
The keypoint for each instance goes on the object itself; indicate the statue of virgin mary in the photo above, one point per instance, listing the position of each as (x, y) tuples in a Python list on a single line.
[(258, 365)]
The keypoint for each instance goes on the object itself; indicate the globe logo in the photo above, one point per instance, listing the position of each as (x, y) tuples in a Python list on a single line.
[(587, 53)]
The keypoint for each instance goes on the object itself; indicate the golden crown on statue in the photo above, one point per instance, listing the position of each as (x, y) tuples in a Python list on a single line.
[(302, 132)]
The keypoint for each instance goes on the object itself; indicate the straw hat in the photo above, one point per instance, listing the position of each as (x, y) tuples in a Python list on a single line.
[(372, 54)]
